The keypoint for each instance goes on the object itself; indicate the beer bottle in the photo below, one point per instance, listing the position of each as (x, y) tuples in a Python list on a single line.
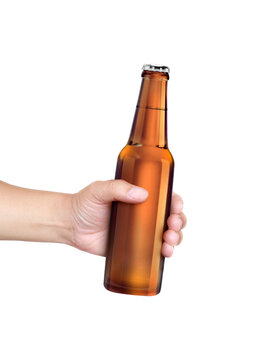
[(134, 264)]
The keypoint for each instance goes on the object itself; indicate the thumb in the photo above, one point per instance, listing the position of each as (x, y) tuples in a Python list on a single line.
[(117, 190)]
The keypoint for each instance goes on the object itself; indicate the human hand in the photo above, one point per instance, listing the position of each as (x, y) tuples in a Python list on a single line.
[(91, 209)]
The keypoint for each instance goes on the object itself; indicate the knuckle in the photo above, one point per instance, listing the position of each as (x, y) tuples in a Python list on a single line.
[(120, 182), (110, 184), (118, 186), (95, 184)]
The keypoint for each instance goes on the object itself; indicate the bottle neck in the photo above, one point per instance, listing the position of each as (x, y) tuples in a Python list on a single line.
[(150, 120)]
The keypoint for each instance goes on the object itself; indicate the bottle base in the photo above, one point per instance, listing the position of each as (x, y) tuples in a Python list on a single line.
[(131, 291)]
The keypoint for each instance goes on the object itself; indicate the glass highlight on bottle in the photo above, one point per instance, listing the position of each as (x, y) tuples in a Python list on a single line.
[(134, 264)]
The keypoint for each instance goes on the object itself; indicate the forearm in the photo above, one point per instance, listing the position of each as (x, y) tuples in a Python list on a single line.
[(34, 215)]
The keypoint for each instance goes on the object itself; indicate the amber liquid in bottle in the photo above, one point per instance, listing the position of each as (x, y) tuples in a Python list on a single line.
[(134, 264)]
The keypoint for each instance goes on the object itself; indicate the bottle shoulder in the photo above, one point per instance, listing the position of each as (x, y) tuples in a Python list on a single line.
[(147, 153)]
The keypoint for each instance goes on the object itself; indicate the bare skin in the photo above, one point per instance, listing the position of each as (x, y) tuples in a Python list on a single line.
[(80, 220)]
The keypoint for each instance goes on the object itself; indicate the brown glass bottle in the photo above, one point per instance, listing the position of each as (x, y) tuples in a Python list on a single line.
[(134, 264)]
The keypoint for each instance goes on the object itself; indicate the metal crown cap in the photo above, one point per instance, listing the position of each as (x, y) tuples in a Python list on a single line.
[(158, 68)]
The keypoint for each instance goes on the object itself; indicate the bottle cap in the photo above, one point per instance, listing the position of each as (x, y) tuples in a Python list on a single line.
[(159, 68)]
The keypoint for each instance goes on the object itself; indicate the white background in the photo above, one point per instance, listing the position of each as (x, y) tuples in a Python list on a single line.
[(69, 81)]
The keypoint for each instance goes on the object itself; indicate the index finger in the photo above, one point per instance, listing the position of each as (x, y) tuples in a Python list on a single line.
[(176, 204)]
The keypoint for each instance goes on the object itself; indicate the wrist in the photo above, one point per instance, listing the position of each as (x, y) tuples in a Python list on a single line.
[(60, 224)]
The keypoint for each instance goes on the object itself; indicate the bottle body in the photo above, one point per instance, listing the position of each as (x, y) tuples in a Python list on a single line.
[(134, 264)]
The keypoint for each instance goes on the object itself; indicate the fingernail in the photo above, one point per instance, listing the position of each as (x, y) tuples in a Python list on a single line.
[(180, 223), (137, 193)]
